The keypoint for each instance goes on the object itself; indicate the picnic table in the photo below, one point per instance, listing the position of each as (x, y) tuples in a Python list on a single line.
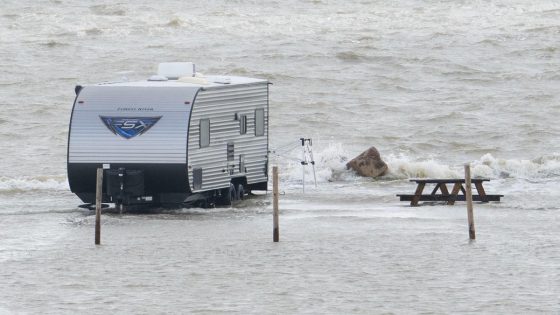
[(445, 195)]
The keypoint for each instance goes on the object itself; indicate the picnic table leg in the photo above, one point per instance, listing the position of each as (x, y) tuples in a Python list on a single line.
[(481, 191), (454, 193), (436, 189), (417, 194), (443, 189)]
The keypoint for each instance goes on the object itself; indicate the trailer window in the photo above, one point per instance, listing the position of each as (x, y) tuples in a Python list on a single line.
[(259, 122), (230, 151), (204, 132), (197, 178), (243, 124)]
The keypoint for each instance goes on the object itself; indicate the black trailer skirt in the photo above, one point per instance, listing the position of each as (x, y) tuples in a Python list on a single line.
[(159, 179)]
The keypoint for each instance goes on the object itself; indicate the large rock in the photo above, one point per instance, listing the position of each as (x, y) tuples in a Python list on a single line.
[(368, 164)]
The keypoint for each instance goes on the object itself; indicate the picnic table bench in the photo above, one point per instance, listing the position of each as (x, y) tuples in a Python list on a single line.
[(445, 195)]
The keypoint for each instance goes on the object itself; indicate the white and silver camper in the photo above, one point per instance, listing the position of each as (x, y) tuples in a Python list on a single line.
[(173, 138)]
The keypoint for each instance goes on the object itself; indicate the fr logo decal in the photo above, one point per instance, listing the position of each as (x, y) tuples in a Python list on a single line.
[(129, 127)]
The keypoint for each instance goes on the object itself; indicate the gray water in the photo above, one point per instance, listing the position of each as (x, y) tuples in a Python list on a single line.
[(431, 84)]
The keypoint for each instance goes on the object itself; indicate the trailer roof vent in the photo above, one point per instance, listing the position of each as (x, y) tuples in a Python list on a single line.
[(175, 70)]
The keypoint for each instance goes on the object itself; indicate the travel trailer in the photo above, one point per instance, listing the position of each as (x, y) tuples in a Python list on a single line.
[(175, 138)]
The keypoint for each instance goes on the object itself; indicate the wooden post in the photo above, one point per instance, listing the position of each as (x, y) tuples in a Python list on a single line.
[(275, 232), (98, 200), (468, 197)]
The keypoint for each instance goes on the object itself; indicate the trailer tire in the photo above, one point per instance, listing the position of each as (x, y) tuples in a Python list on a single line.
[(227, 195), (232, 193), (240, 192)]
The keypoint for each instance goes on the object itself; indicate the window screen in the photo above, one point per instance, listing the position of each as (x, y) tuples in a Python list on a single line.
[(243, 124), (204, 132), (259, 122)]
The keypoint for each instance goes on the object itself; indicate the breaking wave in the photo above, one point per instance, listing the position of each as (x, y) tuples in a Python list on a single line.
[(330, 165), (23, 184), (487, 166), (544, 167)]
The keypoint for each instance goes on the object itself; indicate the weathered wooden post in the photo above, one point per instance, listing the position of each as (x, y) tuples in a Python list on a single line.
[(98, 200), (275, 232), (468, 196)]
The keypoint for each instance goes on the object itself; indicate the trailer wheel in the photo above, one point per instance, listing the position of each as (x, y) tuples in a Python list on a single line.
[(232, 192), (227, 195), (203, 204), (240, 192)]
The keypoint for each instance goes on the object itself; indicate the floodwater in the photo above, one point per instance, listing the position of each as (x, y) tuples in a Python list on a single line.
[(431, 84)]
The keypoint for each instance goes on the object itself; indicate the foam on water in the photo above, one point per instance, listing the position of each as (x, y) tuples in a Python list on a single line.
[(331, 162), (28, 184)]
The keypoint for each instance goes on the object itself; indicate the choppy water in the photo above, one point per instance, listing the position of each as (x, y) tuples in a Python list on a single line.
[(432, 84)]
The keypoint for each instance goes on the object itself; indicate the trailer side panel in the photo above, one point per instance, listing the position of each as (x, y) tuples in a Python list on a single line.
[(238, 131)]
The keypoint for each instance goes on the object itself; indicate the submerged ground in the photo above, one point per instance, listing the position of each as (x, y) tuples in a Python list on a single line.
[(431, 84)]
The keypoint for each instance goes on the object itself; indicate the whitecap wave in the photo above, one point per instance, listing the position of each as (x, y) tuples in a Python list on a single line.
[(544, 167), (487, 166), (404, 167), (330, 165), (22, 184)]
